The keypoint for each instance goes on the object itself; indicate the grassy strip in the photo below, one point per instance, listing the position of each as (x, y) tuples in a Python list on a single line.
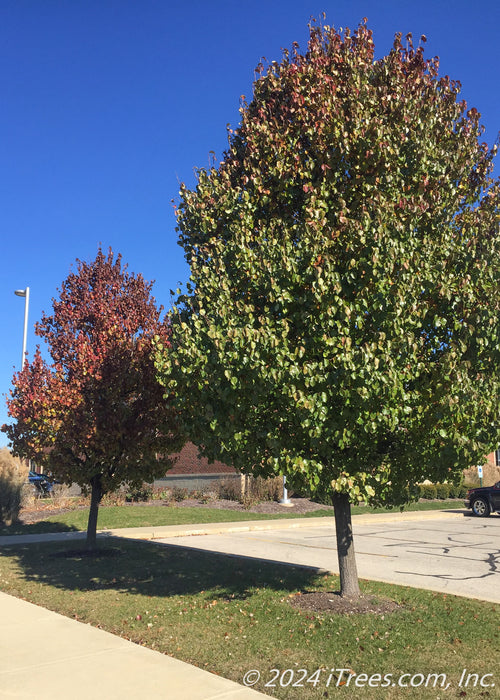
[(111, 517), (452, 503), (228, 616)]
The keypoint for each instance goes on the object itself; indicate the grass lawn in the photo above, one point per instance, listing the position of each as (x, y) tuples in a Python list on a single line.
[(230, 615), (111, 517)]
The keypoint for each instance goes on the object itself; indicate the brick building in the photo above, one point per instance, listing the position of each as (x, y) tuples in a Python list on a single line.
[(493, 459), (194, 472)]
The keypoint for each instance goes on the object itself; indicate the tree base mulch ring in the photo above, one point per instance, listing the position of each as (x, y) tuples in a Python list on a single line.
[(88, 553), (333, 602)]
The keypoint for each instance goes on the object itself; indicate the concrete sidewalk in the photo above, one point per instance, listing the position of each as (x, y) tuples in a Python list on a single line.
[(47, 656)]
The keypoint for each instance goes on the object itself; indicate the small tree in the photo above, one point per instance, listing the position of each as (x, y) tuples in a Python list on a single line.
[(342, 321), (96, 415)]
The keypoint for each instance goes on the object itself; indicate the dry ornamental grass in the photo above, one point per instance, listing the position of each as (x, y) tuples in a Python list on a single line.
[(13, 476)]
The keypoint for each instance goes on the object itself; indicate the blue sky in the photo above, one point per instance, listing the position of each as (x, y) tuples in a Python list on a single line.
[(107, 105)]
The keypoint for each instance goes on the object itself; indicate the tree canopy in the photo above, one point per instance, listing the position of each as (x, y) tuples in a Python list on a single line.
[(95, 415), (341, 325)]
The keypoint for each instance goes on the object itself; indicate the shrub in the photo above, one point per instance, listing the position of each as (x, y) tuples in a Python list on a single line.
[(255, 490), (27, 496), (248, 501), (208, 496), (260, 489), (115, 498), (442, 491), (61, 495), (139, 493), (427, 491), (412, 492), (454, 490), (179, 494), (229, 489), (161, 493), (13, 477)]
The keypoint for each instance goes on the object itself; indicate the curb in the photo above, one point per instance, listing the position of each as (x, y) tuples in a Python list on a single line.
[(155, 533), (262, 525)]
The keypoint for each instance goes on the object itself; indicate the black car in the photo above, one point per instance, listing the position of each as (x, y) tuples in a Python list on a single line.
[(42, 484), (484, 500)]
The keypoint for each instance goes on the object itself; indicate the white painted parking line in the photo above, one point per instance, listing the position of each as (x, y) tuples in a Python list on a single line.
[(456, 556)]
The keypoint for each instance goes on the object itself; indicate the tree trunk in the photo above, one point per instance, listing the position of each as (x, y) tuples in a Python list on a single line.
[(349, 586), (95, 499)]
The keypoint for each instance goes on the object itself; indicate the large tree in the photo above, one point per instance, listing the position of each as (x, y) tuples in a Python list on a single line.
[(95, 415), (341, 325)]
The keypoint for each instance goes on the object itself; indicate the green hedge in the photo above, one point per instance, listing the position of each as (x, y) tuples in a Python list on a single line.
[(427, 491), (442, 491)]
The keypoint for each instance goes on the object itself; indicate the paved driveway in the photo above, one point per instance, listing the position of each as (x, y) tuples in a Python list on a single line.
[(457, 555)]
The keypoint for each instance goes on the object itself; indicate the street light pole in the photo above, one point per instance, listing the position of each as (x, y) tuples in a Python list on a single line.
[(285, 501), (26, 294)]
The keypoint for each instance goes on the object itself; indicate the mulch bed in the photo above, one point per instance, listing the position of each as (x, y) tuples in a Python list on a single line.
[(45, 508), (334, 603), (28, 516)]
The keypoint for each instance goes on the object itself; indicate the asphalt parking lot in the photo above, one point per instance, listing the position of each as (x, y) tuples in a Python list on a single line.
[(459, 554)]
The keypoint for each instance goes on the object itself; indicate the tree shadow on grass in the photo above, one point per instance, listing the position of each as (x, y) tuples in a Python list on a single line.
[(148, 569), (41, 527)]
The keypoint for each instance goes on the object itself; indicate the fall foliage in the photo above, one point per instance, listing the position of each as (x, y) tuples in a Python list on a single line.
[(96, 414)]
